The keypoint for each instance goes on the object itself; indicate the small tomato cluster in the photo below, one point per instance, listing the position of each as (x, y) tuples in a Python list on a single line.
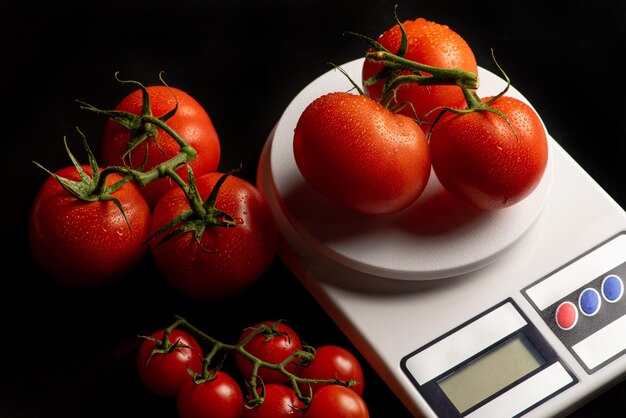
[(282, 378)]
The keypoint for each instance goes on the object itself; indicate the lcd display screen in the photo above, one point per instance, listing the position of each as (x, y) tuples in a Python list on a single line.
[(491, 372)]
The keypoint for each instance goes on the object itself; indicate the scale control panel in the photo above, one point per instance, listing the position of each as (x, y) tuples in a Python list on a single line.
[(583, 304), (499, 364)]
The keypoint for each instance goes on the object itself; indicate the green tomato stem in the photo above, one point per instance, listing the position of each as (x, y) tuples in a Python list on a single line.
[(472, 99), (421, 74), (165, 169), (438, 75), (149, 124), (190, 152)]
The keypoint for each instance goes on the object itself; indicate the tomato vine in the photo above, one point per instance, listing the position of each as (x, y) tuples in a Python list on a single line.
[(300, 357), (398, 71), (143, 127)]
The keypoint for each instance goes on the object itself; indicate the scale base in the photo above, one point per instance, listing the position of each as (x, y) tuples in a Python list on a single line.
[(388, 316)]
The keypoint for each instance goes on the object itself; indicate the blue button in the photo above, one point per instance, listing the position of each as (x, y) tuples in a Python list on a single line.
[(612, 288), (589, 301)]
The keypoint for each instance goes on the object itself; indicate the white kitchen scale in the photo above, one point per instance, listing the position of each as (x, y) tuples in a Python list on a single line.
[(464, 313)]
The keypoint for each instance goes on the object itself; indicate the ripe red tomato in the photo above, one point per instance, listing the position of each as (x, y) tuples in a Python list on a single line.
[(190, 121), (229, 260), (218, 398), (360, 154), (332, 362), (486, 163), (280, 401), (336, 401), (273, 347), (87, 244), (166, 373), (432, 44)]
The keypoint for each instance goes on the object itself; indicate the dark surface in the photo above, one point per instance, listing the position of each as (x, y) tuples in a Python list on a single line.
[(69, 353)]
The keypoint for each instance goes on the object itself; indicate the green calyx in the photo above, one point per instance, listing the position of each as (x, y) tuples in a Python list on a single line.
[(142, 127), (200, 216), (91, 187), (475, 104)]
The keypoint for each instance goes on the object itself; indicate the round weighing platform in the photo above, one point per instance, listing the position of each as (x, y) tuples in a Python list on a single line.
[(437, 237)]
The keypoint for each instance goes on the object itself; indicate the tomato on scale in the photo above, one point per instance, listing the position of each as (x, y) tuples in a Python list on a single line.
[(492, 157), (489, 153), (428, 43), (367, 151), (360, 154)]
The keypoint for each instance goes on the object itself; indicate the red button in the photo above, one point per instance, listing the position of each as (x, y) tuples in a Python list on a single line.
[(566, 315)]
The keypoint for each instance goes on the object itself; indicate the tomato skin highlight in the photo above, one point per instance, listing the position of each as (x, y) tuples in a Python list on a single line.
[(218, 398), (87, 244), (360, 154), (479, 159), (230, 259), (332, 362), (272, 349), (166, 373), (280, 401), (191, 122), (429, 43), (336, 401)]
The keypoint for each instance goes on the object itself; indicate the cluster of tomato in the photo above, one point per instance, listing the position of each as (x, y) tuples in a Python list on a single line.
[(331, 384), (85, 233), (91, 224), (489, 152)]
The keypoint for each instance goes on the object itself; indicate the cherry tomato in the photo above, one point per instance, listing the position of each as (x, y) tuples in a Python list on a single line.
[(228, 259), (336, 401), (360, 154), (332, 362), (218, 398), (190, 121), (280, 401), (272, 347), (166, 373), (87, 244), (486, 163), (429, 43)]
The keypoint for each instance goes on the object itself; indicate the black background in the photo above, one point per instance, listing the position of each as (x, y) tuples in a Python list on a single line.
[(70, 353)]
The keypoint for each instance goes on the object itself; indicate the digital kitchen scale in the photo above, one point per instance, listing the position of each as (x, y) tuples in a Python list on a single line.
[(515, 312)]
